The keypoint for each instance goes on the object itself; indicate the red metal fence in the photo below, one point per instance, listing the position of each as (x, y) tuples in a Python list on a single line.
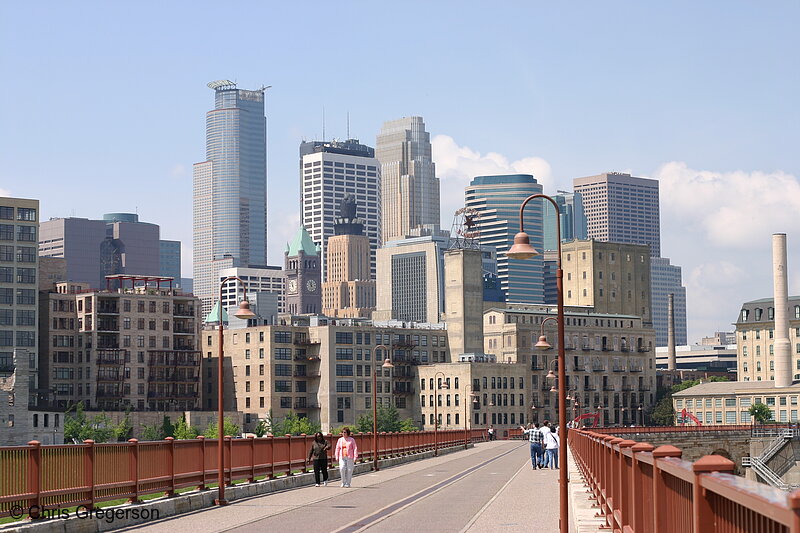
[(642, 489), (85, 474)]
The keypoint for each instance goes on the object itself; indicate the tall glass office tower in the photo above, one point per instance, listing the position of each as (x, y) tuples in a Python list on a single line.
[(230, 188), (497, 199), (571, 216)]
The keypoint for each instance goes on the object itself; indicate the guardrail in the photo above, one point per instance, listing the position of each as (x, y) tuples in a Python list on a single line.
[(61, 476), (640, 488)]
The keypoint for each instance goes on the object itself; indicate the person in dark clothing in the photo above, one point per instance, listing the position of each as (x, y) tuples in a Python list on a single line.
[(319, 453)]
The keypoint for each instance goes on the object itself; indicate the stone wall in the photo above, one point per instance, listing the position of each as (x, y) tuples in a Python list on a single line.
[(732, 444)]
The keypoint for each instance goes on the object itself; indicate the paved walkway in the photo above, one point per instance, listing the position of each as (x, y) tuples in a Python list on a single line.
[(487, 488)]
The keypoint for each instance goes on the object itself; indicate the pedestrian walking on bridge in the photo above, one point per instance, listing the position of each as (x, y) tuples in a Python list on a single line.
[(536, 439), (346, 454), (319, 453)]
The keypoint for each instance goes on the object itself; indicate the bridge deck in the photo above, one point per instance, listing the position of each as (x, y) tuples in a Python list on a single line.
[(488, 488)]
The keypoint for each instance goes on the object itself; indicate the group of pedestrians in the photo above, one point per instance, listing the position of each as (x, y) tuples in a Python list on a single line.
[(346, 453), (544, 442)]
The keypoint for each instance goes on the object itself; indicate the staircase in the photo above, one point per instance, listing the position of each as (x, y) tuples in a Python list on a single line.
[(759, 464)]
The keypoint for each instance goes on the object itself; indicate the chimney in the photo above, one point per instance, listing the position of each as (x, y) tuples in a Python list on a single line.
[(670, 332), (783, 355)]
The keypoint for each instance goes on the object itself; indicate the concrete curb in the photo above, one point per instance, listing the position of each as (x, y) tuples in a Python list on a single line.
[(128, 515), (580, 506)]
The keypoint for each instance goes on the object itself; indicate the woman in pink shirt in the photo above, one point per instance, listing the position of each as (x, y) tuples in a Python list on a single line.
[(346, 454)]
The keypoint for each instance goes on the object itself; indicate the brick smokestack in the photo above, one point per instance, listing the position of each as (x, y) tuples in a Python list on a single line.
[(783, 355), (671, 332)]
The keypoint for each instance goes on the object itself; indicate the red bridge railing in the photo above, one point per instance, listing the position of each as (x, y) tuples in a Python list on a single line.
[(62, 476), (640, 488)]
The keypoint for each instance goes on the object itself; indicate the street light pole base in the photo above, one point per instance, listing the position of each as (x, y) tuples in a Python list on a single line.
[(220, 502)]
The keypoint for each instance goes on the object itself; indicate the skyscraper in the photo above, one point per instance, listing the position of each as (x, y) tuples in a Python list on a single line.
[(666, 279), (571, 216), (497, 199), (230, 188), (621, 208), (410, 190), (625, 209), (329, 170), (118, 244), (350, 289)]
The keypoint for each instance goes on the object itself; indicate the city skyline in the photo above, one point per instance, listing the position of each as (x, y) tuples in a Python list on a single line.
[(710, 114)]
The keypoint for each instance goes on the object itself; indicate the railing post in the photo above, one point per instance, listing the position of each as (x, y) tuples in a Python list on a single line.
[(636, 502), (624, 494), (614, 473), (289, 473), (305, 447), (702, 514), (229, 461), (660, 514), (202, 440), (271, 474), (88, 470), (171, 448), (252, 477), (793, 500), (133, 468), (35, 473)]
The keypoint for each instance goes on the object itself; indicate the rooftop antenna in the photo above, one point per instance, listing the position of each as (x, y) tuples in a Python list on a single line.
[(323, 123), (348, 124)]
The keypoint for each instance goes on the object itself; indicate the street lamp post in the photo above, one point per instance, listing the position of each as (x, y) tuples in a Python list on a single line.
[(522, 249), (387, 363), (243, 312), (436, 410)]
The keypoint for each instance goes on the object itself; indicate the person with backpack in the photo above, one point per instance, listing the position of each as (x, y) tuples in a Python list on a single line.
[(552, 443)]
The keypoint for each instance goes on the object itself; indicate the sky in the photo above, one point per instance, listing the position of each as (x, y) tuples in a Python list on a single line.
[(104, 104)]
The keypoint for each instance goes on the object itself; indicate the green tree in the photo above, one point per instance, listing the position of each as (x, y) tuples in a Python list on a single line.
[(292, 424), (78, 427), (388, 421), (167, 429), (760, 413), (261, 428), (228, 428), (150, 433), (124, 430), (184, 431)]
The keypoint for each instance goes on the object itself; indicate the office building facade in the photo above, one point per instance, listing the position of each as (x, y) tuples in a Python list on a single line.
[(19, 274), (134, 347), (119, 243), (230, 188), (608, 277), (322, 368), (330, 170), (667, 279), (409, 187), (498, 199), (571, 217), (621, 208)]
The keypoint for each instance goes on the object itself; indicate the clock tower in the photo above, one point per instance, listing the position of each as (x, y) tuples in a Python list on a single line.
[(303, 275)]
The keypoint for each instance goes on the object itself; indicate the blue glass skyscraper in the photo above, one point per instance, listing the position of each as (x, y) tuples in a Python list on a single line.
[(230, 188), (497, 199), (573, 219)]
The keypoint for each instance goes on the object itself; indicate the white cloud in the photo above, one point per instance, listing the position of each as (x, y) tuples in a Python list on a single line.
[(456, 165), (178, 171), (718, 226), (731, 209), (280, 233)]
